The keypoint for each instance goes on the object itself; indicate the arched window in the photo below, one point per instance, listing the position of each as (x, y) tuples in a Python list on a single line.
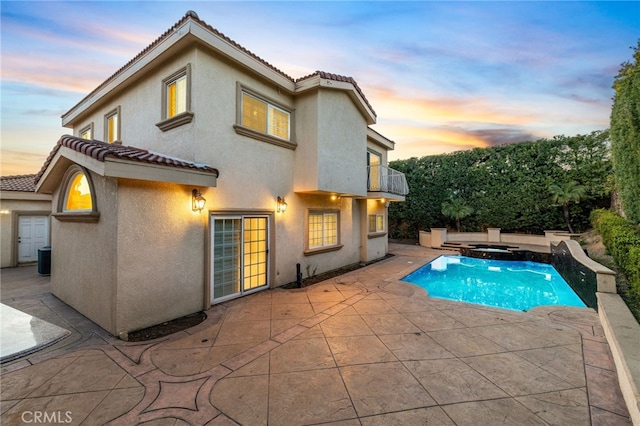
[(77, 201), (78, 196)]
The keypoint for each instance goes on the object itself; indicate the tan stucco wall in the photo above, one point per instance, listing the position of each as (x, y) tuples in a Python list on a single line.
[(170, 262), (331, 153), (377, 247), (10, 209), (342, 157), (161, 266), (83, 258)]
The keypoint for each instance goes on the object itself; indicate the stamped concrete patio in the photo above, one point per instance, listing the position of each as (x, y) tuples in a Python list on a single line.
[(359, 349)]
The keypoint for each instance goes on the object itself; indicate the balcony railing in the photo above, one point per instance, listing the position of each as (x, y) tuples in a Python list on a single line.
[(385, 179)]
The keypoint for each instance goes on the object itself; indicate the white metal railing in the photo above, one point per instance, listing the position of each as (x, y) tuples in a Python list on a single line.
[(385, 179)]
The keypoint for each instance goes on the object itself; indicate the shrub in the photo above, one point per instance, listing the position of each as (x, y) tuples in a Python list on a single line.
[(622, 240)]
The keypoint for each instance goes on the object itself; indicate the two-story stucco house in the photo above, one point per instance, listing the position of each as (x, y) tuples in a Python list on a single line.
[(198, 172)]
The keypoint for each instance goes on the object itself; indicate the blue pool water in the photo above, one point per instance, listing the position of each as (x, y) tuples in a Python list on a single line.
[(516, 285)]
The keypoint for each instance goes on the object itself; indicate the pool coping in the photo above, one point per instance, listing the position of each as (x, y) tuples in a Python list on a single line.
[(623, 334)]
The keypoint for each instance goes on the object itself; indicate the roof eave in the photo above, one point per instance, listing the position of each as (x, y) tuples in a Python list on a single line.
[(381, 140), (316, 81), (118, 168), (157, 173), (200, 34)]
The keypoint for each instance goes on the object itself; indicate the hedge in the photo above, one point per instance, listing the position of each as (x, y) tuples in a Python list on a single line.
[(622, 240)]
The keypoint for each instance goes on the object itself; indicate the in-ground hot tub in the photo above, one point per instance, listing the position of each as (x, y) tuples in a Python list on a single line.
[(503, 252)]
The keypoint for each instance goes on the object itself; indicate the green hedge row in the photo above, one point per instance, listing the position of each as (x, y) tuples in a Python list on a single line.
[(622, 240)]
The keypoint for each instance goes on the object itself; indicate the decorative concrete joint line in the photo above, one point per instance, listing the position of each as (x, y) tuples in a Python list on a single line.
[(250, 355), (335, 309), (354, 299), (315, 320), (291, 333)]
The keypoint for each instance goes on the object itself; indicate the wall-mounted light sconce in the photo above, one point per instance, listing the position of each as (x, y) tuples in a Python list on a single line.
[(197, 201), (281, 205)]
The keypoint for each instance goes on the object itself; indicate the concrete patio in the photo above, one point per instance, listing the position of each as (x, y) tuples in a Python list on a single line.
[(359, 349)]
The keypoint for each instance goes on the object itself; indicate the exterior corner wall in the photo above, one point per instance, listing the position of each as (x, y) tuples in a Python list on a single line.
[(160, 260), (83, 257), (305, 165), (342, 148)]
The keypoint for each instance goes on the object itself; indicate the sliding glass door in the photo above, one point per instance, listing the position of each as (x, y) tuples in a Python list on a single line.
[(240, 255)]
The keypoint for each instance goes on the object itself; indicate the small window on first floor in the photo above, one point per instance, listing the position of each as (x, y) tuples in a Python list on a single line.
[(323, 229), (376, 223)]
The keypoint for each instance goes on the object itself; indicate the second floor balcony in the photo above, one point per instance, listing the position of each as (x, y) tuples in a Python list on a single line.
[(386, 182)]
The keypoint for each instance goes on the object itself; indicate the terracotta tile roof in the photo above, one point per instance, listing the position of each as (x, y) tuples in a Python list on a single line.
[(22, 183), (336, 77), (191, 15), (101, 150)]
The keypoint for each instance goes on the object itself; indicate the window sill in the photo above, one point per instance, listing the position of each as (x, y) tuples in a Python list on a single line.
[(245, 131), (77, 216), (376, 235), (176, 121), (311, 252)]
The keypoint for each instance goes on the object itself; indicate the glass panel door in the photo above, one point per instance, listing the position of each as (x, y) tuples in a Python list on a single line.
[(226, 257), (239, 255), (373, 161), (255, 252)]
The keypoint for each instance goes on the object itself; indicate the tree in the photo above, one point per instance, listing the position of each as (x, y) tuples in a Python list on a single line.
[(566, 193), (625, 136), (456, 208)]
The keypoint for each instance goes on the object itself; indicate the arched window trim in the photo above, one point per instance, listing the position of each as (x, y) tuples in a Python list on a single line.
[(76, 215)]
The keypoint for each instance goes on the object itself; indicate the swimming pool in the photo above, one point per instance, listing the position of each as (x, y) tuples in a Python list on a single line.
[(508, 284)]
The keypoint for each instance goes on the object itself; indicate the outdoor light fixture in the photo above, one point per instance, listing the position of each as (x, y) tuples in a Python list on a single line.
[(281, 205), (197, 201)]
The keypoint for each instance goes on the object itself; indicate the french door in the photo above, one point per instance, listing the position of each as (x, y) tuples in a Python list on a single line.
[(239, 255)]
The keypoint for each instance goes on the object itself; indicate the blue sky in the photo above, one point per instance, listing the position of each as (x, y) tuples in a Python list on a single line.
[(441, 76)]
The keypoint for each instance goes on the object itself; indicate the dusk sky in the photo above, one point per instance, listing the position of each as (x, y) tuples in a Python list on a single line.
[(441, 76)]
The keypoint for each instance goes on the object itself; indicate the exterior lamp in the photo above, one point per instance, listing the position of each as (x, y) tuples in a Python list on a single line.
[(197, 201), (281, 205)]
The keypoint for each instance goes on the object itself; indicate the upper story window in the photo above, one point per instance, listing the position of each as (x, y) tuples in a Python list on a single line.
[(177, 96), (112, 126), (176, 99), (87, 132), (374, 161), (263, 119), (77, 202)]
